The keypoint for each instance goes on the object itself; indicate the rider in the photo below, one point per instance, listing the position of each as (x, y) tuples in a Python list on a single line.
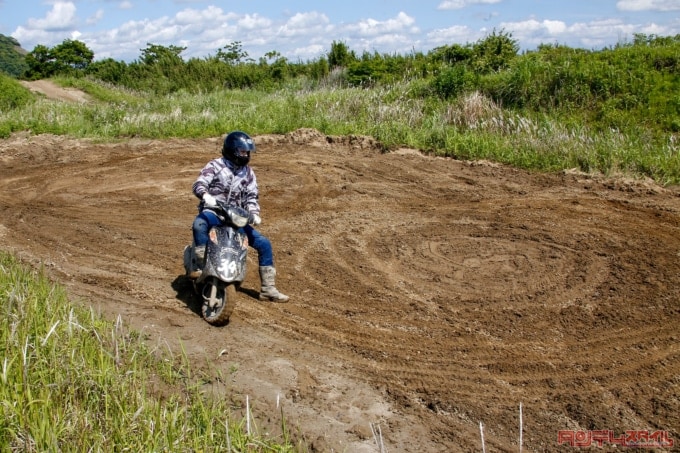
[(230, 179)]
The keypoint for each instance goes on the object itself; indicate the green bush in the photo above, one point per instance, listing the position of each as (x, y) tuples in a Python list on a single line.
[(453, 81), (12, 94), (495, 52)]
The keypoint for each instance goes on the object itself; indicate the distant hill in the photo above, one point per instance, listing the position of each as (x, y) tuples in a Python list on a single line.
[(12, 56)]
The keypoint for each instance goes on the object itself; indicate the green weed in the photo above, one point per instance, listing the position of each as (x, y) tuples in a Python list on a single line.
[(71, 381)]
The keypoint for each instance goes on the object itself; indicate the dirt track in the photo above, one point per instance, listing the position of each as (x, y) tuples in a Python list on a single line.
[(427, 294)]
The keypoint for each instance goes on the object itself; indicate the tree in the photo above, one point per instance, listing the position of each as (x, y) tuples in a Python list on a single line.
[(452, 54), (155, 53), (40, 63), (72, 54), (340, 55), (495, 52), (66, 57), (279, 67), (108, 70), (232, 54), (319, 69)]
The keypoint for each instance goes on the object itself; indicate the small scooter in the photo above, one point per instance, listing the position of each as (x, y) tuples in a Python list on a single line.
[(224, 266)]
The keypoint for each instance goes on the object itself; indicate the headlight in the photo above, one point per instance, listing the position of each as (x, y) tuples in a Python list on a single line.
[(238, 217)]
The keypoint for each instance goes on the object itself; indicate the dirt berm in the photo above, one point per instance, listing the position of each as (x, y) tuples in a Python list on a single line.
[(427, 294)]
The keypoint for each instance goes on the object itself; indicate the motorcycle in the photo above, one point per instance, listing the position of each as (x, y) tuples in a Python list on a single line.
[(224, 267)]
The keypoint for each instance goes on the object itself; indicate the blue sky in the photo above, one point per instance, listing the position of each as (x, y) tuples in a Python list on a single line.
[(304, 29)]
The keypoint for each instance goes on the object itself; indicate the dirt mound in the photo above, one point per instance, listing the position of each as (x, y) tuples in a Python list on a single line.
[(54, 91), (311, 138), (427, 294)]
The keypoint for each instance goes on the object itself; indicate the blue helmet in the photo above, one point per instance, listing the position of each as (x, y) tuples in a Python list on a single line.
[(237, 148)]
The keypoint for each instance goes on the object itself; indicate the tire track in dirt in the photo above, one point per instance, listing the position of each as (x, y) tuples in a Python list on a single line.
[(427, 294)]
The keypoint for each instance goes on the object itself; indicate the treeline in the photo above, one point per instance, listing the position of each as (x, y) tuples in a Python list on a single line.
[(629, 84), (162, 70)]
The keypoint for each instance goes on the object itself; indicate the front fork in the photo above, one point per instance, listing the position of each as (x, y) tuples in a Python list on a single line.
[(212, 292)]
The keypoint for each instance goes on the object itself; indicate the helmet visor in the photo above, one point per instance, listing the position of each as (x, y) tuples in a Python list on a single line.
[(242, 153)]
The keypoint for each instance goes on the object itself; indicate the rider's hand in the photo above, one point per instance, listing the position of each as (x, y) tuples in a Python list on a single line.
[(254, 219), (209, 200)]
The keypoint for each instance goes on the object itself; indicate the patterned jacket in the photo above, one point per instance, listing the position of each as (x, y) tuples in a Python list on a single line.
[(226, 182)]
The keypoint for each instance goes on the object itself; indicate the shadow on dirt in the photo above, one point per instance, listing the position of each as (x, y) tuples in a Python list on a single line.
[(184, 289), (185, 292), (249, 292)]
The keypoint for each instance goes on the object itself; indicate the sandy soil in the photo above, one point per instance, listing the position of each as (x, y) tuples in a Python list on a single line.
[(427, 294), (50, 90)]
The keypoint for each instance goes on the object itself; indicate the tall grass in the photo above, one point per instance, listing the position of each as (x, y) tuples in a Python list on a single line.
[(70, 381), (470, 126)]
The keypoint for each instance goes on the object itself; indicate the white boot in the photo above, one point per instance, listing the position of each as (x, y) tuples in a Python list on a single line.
[(197, 259), (269, 291)]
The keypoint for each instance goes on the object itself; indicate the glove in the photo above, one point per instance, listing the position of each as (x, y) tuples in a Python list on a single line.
[(209, 200), (254, 219)]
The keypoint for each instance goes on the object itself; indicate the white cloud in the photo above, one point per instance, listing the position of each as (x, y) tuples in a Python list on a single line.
[(648, 5), (401, 42), (594, 34), (403, 23), (304, 24), (531, 33), (253, 22), (554, 27), (307, 52), (96, 17), (60, 20), (532, 26), (211, 14), (61, 17), (460, 4), (459, 34), (30, 38)]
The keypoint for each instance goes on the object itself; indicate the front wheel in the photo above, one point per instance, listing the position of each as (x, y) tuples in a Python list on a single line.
[(219, 299)]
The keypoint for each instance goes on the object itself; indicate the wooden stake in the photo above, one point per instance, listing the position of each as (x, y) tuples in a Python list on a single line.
[(521, 430), (481, 432)]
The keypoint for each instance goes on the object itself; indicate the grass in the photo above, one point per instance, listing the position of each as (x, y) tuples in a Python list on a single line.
[(71, 381), (469, 127)]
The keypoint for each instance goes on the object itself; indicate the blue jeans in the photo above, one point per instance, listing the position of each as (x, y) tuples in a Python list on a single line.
[(256, 240)]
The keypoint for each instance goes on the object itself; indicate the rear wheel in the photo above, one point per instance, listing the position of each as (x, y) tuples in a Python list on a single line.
[(218, 301)]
